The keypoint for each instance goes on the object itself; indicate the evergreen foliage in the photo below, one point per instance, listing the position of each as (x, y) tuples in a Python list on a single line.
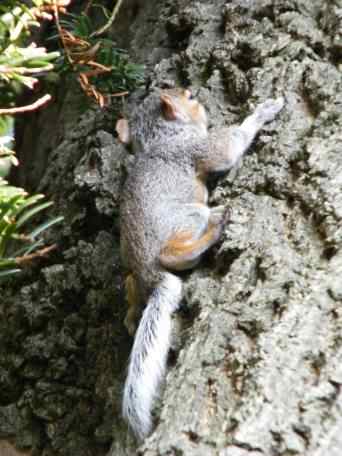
[(103, 71), (21, 64)]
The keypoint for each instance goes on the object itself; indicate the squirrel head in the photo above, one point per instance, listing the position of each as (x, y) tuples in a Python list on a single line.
[(164, 115), (179, 105)]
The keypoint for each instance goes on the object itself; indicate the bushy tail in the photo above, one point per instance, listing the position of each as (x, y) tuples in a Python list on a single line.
[(149, 355)]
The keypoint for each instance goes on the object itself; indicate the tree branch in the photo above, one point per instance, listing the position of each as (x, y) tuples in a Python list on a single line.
[(32, 107)]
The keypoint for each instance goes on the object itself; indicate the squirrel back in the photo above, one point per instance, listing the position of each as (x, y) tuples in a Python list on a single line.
[(165, 131), (166, 145)]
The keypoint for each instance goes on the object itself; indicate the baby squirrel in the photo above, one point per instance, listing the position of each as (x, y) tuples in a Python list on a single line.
[(166, 224)]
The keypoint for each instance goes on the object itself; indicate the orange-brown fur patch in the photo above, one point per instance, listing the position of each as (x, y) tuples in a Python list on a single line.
[(194, 111), (183, 95), (134, 304), (182, 243), (204, 167), (132, 294), (168, 107)]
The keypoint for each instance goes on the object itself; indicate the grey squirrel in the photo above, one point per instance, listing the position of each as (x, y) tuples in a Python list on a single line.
[(166, 224)]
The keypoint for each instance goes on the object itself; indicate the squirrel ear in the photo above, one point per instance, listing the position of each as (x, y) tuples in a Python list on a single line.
[(122, 130), (168, 107)]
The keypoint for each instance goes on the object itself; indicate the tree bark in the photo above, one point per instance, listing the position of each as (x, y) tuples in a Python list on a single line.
[(256, 368)]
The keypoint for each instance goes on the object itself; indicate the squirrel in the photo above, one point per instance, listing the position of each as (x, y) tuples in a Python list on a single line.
[(166, 224)]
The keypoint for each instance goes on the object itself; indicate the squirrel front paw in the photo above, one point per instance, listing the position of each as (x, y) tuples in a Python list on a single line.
[(268, 110)]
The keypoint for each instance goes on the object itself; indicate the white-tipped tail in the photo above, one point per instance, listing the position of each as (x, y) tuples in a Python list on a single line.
[(149, 355)]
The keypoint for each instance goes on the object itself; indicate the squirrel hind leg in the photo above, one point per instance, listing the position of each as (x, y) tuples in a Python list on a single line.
[(182, 251), (134, 305)]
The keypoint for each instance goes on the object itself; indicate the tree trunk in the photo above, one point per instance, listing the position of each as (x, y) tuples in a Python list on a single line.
[(257, 360)]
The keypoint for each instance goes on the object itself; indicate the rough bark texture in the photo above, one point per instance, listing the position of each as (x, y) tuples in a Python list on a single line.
[(257, 365)]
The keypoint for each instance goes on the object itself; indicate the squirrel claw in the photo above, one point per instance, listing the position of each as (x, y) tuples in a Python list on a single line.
[(220, 215)]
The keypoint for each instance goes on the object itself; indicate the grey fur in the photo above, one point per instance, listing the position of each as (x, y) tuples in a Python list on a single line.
[(149, 354), (160, 200)]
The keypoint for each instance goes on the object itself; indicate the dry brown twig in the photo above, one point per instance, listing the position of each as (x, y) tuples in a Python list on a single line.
[(79, 51), (42, 253), (110, 21), (88, 6)]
